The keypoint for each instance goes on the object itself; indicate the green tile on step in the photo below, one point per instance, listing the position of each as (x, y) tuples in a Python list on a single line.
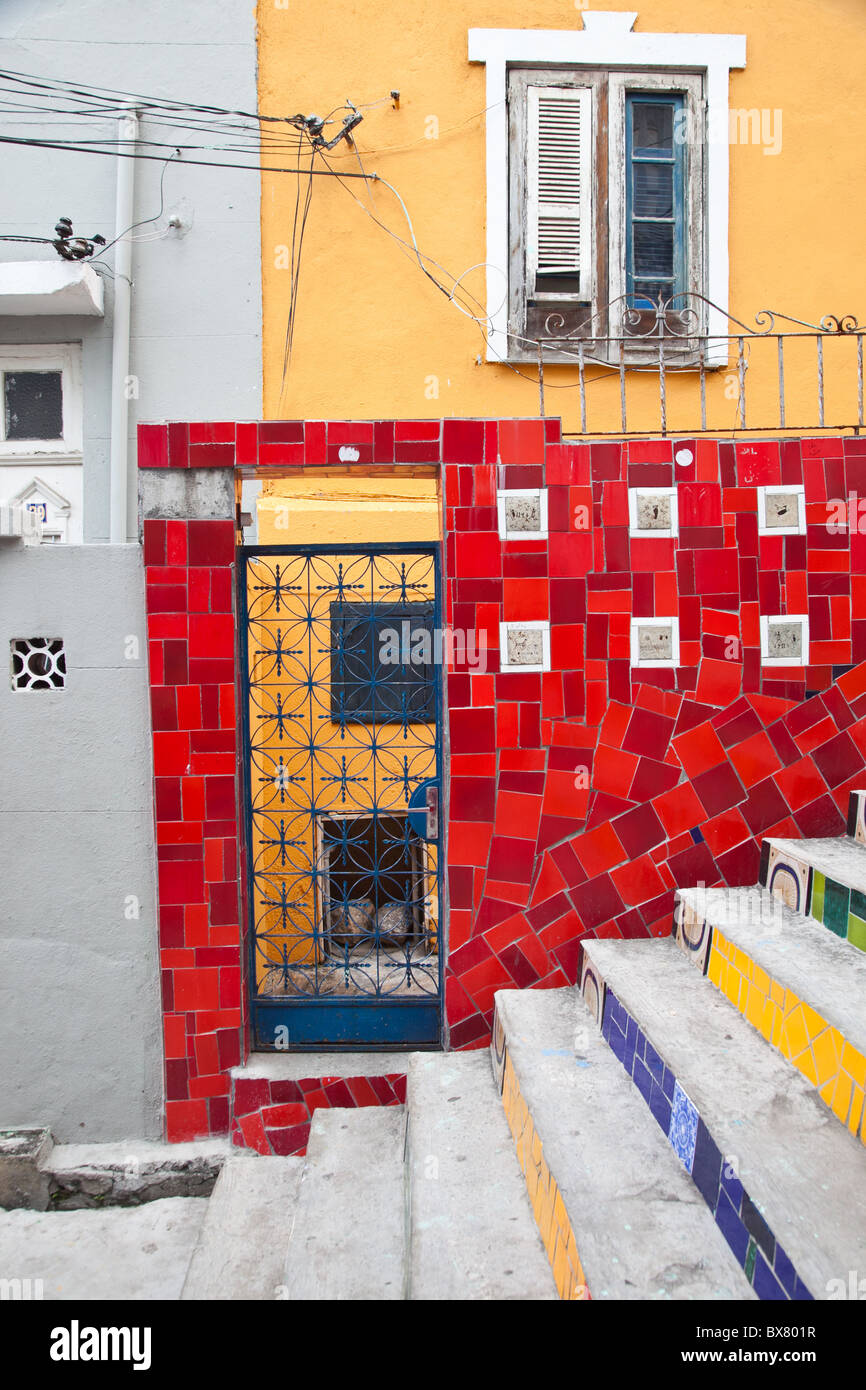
[(857, 931), (749, 1265), (858, 904), (836, 897), (816, 906)]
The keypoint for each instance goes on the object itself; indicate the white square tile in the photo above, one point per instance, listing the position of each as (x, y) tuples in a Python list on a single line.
[(782, 510), (785, 639), (524, 646), (652, 511), (522, 513), (655, 642)]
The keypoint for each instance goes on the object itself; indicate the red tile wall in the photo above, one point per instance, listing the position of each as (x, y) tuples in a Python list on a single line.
[(579, 798)]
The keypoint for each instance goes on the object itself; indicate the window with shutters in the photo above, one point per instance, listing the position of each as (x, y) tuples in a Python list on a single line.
[(606, 197)]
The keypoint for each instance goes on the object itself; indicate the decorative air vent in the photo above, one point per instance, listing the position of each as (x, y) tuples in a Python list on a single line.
[(38, 663)]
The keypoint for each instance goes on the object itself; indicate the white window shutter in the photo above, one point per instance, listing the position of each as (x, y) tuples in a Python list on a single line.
[(559, 184)]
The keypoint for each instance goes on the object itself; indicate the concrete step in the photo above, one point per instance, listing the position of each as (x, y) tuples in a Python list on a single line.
[(824, 879), (802, 988), (771, 1162), (472, 1232), (616, 1209), (349, 1236), (241, 1246), (132, 1172)]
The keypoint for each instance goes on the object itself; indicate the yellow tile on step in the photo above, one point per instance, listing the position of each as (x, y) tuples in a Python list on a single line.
[(805, 1063), (536, 1147), (761, 979), (856, 1111), (826, 1091), (562, 1272), (854, 1063), (721, 944), (826, 1050), (777, 993), (732, 985), (742, 962), (842, 1098), (560, 1215), (743, 997), (815, 1024), (768, 1013), (778, 1024), (791, 1001), (795, 1034), (715, 966), (755, 1006)]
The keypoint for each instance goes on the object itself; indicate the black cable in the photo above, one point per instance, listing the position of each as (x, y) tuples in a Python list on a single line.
[(194, 163)]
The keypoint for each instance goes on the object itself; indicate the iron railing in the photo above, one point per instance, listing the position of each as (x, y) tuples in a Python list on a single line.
[(712, 372)]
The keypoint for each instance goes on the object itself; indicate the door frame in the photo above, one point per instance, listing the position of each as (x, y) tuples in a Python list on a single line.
[(322, 1024)]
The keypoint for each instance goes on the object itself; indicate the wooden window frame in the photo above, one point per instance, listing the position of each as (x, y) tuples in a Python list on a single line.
[(530, 310)]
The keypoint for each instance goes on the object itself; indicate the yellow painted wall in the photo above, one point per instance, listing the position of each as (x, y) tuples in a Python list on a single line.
[(316, 510), (372, 334)]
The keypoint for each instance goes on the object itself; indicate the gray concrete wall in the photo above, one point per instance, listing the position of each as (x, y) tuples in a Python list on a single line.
[(80, 1044)]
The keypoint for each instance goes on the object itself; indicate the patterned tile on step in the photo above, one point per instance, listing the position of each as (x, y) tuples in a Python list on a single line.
[(693, 934), (788, 879), (683, 1132)]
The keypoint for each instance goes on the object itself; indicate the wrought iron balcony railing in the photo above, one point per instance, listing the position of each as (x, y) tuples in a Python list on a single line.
[(685, 366)]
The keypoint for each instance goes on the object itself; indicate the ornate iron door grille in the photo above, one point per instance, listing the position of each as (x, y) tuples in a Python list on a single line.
[(342, 740)]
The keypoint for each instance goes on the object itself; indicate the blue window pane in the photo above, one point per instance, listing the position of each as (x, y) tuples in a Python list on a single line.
[(655, 200), (653, 250), (653, 129), (653, 190)]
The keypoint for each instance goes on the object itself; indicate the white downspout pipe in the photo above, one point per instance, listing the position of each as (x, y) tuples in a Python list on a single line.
[(123, 219)]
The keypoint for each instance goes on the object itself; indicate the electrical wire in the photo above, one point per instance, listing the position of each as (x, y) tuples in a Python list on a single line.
[(145, 221)]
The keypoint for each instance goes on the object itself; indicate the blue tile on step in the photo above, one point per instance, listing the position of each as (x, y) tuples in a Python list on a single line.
[(732, 1228), (707, 1167), (732, 1185), (801, 1294), (784, 1271), (660, 1107), (655, 1063), (669, 1082), (765, 1283), (642, 1080)]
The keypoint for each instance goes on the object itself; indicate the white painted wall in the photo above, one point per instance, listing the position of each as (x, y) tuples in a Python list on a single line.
[(80, 1038)]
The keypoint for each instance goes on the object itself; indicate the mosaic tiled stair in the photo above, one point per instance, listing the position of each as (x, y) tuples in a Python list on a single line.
[(800, 987), (824, 879), (617, 1214), (776, 1170)]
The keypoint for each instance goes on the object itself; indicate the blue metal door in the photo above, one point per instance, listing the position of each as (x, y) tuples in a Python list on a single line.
[(342, 667)]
